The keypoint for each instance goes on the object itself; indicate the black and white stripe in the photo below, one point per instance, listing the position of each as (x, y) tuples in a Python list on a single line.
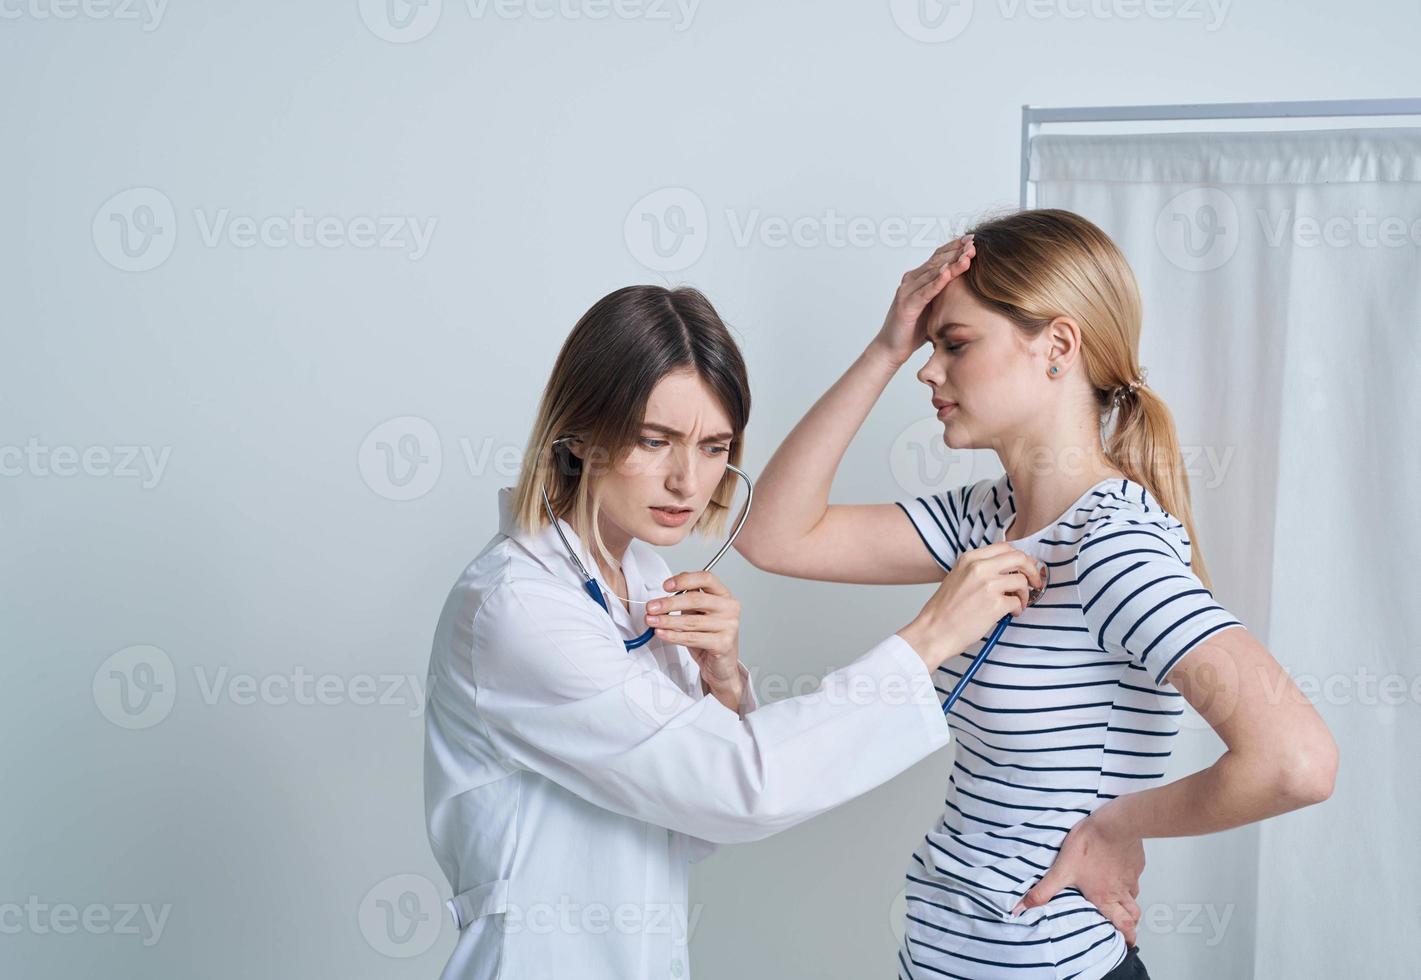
[(1071, 709)]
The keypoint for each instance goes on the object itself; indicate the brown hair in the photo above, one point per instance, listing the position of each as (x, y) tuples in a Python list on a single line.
[(627, 342), (1034, 266)]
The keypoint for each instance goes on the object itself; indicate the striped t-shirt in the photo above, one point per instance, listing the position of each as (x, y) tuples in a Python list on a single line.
[(1070, 709)]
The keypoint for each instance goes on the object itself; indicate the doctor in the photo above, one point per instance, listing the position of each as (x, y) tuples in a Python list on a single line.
[(571, 774)]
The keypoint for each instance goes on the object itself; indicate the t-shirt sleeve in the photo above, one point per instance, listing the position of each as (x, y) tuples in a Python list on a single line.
[(943, 523), (1140, 598)]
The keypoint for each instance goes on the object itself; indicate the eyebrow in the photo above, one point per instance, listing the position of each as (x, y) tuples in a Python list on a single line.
[(666, 430), (944, 328)]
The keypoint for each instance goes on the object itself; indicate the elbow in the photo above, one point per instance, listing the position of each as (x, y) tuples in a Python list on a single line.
[(1308, 776), (754, 550)]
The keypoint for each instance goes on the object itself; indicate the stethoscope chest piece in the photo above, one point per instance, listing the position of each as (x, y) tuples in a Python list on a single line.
[(1032, 596)]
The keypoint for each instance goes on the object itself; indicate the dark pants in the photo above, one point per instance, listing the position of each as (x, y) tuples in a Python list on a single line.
[(1130, 968)]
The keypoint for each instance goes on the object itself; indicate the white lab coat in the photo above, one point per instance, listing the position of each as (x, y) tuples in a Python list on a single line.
[(569, 782)]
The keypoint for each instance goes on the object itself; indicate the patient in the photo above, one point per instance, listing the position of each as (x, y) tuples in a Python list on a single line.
[(1062, 736)]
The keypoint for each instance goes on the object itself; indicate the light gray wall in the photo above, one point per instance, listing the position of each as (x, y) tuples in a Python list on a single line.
[(255, 539)]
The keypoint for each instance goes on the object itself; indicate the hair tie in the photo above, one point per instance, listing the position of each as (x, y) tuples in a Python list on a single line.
[(1129, 389)]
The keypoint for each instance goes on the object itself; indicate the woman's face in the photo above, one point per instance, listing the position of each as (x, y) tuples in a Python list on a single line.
[(988, 383), (661, 488)]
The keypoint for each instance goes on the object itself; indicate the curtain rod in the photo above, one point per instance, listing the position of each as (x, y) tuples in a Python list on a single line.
[(1033, 117)]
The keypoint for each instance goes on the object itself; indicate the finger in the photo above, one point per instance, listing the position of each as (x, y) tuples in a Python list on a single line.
[(928, 270), (1015, 560), (919, 299), (705, 581), (1131, 909), (692, 624), (1120, 919), (1040, 893), (945, 266), (1015, 584), (703, 641), (690, 602), (926, 281), (954, 244)]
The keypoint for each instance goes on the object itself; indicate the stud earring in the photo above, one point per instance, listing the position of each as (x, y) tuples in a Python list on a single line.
[(1054, 369)]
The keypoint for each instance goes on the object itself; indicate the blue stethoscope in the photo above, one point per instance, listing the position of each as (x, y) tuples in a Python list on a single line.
[(589, 584), (1001, 628)]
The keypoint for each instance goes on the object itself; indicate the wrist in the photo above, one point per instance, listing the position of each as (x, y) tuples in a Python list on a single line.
[(933, 645), (728, 690), (731, 695), (879, 351), (1108, 821)]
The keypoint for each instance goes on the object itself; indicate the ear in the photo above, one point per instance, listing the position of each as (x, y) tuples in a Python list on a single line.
[(1062, 337)]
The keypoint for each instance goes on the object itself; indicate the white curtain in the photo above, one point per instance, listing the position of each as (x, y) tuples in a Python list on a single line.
[(1281, 276)]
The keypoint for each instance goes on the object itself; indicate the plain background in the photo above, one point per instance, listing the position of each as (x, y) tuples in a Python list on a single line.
[(272, 383)]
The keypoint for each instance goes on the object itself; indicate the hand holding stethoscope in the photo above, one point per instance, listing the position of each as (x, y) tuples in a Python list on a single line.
[(985, 589), (708, 625)]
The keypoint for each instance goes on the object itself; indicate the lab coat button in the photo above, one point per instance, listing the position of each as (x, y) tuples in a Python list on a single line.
[(676, 968)]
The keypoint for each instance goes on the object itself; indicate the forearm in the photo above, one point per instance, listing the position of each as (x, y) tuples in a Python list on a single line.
[(792, 492), (1232, 792)]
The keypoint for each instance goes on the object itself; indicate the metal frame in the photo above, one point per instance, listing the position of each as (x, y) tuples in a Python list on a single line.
[(1033, 117)]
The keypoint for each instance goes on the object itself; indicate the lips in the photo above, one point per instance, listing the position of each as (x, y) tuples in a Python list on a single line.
[(671, 516)]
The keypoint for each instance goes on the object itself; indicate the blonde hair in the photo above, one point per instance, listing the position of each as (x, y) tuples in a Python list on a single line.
[(1034, 266), (627, 342)]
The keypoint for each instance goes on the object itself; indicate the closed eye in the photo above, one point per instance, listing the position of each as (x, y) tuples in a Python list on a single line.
[(652, 443)]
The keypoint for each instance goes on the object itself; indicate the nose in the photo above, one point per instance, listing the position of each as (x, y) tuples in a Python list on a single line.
[(928, 374), (681, 471)]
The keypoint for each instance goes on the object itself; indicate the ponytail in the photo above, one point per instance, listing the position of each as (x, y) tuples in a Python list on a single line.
[(1036, 265), (1145, 447)]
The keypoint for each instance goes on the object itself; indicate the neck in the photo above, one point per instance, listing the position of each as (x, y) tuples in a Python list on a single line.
[(616, 541), (1042, 493)]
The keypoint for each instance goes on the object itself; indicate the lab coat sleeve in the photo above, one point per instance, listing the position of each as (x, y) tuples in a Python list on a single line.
[(559, 695), (698, 848)]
